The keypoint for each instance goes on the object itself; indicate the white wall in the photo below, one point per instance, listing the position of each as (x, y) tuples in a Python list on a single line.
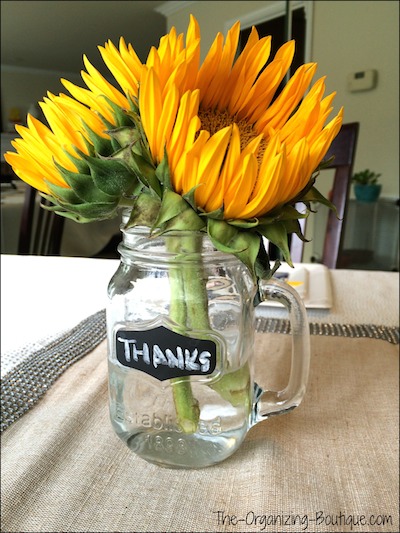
[(351, 37), (22, 87)]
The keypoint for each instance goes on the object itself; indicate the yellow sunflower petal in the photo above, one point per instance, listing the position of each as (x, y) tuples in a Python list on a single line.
[(100, 86), (150, 104), (125, 67), (235, 203), (187, 110), (211, 159)]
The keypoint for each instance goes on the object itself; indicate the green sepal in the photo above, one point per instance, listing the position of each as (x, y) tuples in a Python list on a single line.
[(244, 245), (126, 136), (65, 195), (91, 212), (126, 156), (222, 235), (84, 187), (188, 220), (244, 224), (176, 214), (217, 214), (285, 212), (144, 145), (264, 274), (313, 195), (146, 173), (293, 226), (288, 212), (277, 234), (189, 197), (263, 262), (326, 163), (101, 145), (133, 103), (251, 243), (121, 115), (111, 176), (163, 173), (81, 165), (61, 211), (144, 211)]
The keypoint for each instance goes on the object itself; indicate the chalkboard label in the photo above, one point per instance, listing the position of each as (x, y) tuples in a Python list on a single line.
[(165, 354)]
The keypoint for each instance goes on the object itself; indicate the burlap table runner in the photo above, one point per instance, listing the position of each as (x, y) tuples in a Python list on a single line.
[(330, 465)]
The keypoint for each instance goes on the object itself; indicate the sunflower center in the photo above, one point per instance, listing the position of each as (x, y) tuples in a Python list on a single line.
[(213, 120)]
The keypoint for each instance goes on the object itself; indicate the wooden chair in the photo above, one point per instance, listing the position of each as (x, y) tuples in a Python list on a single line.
[(343, 149), (40, 230)]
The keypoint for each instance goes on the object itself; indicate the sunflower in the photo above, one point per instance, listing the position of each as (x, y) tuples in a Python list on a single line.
[(216, 140), (226, 139)]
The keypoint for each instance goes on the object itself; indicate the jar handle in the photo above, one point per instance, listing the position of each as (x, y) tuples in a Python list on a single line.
[(267, 402)]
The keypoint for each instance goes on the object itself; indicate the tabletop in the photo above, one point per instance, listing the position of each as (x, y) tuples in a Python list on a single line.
[(329, 465)]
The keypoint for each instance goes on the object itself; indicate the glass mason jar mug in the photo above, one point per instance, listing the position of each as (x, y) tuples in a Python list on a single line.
[(180, 322)]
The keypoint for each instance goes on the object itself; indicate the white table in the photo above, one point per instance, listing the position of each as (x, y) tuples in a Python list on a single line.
[(55, 293), (51, 294)]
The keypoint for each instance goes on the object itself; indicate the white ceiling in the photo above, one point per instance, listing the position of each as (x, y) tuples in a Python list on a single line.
[(53, 35)]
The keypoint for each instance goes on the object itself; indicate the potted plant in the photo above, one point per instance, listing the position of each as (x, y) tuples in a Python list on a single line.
[(366, 186)]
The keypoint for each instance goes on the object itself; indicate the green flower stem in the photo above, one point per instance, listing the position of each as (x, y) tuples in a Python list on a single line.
[(186, 406), (189, 308), (196, 297), (234, 387)]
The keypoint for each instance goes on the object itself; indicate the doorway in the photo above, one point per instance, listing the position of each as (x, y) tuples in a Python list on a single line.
[(281, 31)]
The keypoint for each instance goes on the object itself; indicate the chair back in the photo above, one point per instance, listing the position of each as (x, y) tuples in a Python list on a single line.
[(41, 230), (343, 148)]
